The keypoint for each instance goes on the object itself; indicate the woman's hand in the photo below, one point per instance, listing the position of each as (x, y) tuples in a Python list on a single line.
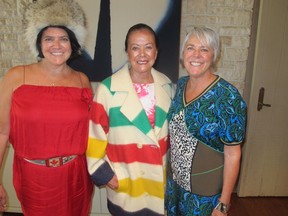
[(3, 201), (217, 213), (113, 183)]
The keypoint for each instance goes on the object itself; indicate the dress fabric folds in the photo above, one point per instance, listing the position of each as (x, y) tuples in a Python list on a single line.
[(47, 122)]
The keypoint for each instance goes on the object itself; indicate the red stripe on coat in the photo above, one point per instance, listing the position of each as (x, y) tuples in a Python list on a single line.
[(129, 153), (99, 116)]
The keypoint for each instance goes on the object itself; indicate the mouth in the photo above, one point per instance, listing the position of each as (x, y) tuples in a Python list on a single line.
[(56, 53), (195, 64), (142, 62)]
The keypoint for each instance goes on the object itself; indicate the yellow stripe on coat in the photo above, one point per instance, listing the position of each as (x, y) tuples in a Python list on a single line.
[(96, 148), (141, 186)]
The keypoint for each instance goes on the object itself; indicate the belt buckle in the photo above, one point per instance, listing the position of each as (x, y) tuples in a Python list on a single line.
[(54, 162)]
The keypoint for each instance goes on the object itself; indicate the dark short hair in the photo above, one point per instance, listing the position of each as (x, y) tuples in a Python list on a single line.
[(75, 46), (138, 27)]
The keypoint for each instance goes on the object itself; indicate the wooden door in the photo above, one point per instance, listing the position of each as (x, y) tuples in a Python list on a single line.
[(264, 170)]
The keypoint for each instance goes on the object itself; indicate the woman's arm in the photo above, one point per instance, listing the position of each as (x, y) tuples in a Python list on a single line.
[(99, 168), (232, 156), (6, 90)]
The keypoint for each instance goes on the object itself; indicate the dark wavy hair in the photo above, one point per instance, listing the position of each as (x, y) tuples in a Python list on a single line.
[(138, 27), (75, 46)]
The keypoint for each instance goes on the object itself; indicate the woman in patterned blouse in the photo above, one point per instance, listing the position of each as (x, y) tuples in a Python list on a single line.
[(207, 120)]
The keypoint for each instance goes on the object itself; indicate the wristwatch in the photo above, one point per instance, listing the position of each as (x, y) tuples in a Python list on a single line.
[(222, 207)]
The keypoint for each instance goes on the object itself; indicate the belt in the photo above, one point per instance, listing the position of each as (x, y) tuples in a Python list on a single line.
[(53, 162)]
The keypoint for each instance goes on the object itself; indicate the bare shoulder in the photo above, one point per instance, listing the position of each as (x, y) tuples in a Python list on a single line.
[(15, 72), (9, 82), (85, 81), (13, 77)]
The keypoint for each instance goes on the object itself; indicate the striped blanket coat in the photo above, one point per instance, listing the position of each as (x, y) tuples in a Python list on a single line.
[(122, 141)]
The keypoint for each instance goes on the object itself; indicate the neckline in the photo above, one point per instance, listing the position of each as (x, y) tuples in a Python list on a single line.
[(143, 84), (202, 93), (49, 87)]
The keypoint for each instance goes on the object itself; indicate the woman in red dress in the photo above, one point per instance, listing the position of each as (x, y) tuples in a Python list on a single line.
[(44, 111)]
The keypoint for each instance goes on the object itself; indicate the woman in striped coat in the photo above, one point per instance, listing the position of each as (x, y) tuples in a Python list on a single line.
[(128, 139)]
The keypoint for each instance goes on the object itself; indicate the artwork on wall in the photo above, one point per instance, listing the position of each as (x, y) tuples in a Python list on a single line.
[(108, 22)]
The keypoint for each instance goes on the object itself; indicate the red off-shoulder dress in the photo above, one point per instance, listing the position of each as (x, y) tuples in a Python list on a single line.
[(47, 122)]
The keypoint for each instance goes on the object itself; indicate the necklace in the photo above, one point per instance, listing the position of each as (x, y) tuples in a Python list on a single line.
[(58, 80)]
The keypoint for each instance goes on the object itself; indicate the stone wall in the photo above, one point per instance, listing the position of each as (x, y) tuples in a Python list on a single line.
[(232, 19), (13, 47)]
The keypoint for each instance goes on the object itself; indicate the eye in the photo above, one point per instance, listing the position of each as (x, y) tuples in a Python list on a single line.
[(65, 39), (204, 50), (48, 39), (134, 48), (189, 48), (149, 47)]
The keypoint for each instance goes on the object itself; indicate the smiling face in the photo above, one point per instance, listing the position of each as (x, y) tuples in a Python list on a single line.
[(141, 51), (55, 45), (197, 57)]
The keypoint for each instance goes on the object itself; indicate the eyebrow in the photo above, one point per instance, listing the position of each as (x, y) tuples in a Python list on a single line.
[(141, 44), (189, 44), (53, 36)]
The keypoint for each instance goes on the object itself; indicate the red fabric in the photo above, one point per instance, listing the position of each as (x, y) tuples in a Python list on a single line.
[(130, 153), (99, 116), (49, 122)]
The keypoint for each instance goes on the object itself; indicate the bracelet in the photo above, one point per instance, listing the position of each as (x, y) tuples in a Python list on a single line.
[(222, 207)]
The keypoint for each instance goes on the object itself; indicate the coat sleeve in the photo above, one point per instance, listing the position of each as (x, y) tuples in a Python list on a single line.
[(98, 164)]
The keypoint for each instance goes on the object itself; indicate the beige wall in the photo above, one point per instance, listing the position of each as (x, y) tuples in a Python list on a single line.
[(230, 18)]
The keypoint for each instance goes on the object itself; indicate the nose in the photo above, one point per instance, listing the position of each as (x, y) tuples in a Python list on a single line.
[(196, 53), (142, 51), (56, 43)]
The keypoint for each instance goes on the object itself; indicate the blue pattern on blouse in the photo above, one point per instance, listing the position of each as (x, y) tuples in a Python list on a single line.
[(216, 117)]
